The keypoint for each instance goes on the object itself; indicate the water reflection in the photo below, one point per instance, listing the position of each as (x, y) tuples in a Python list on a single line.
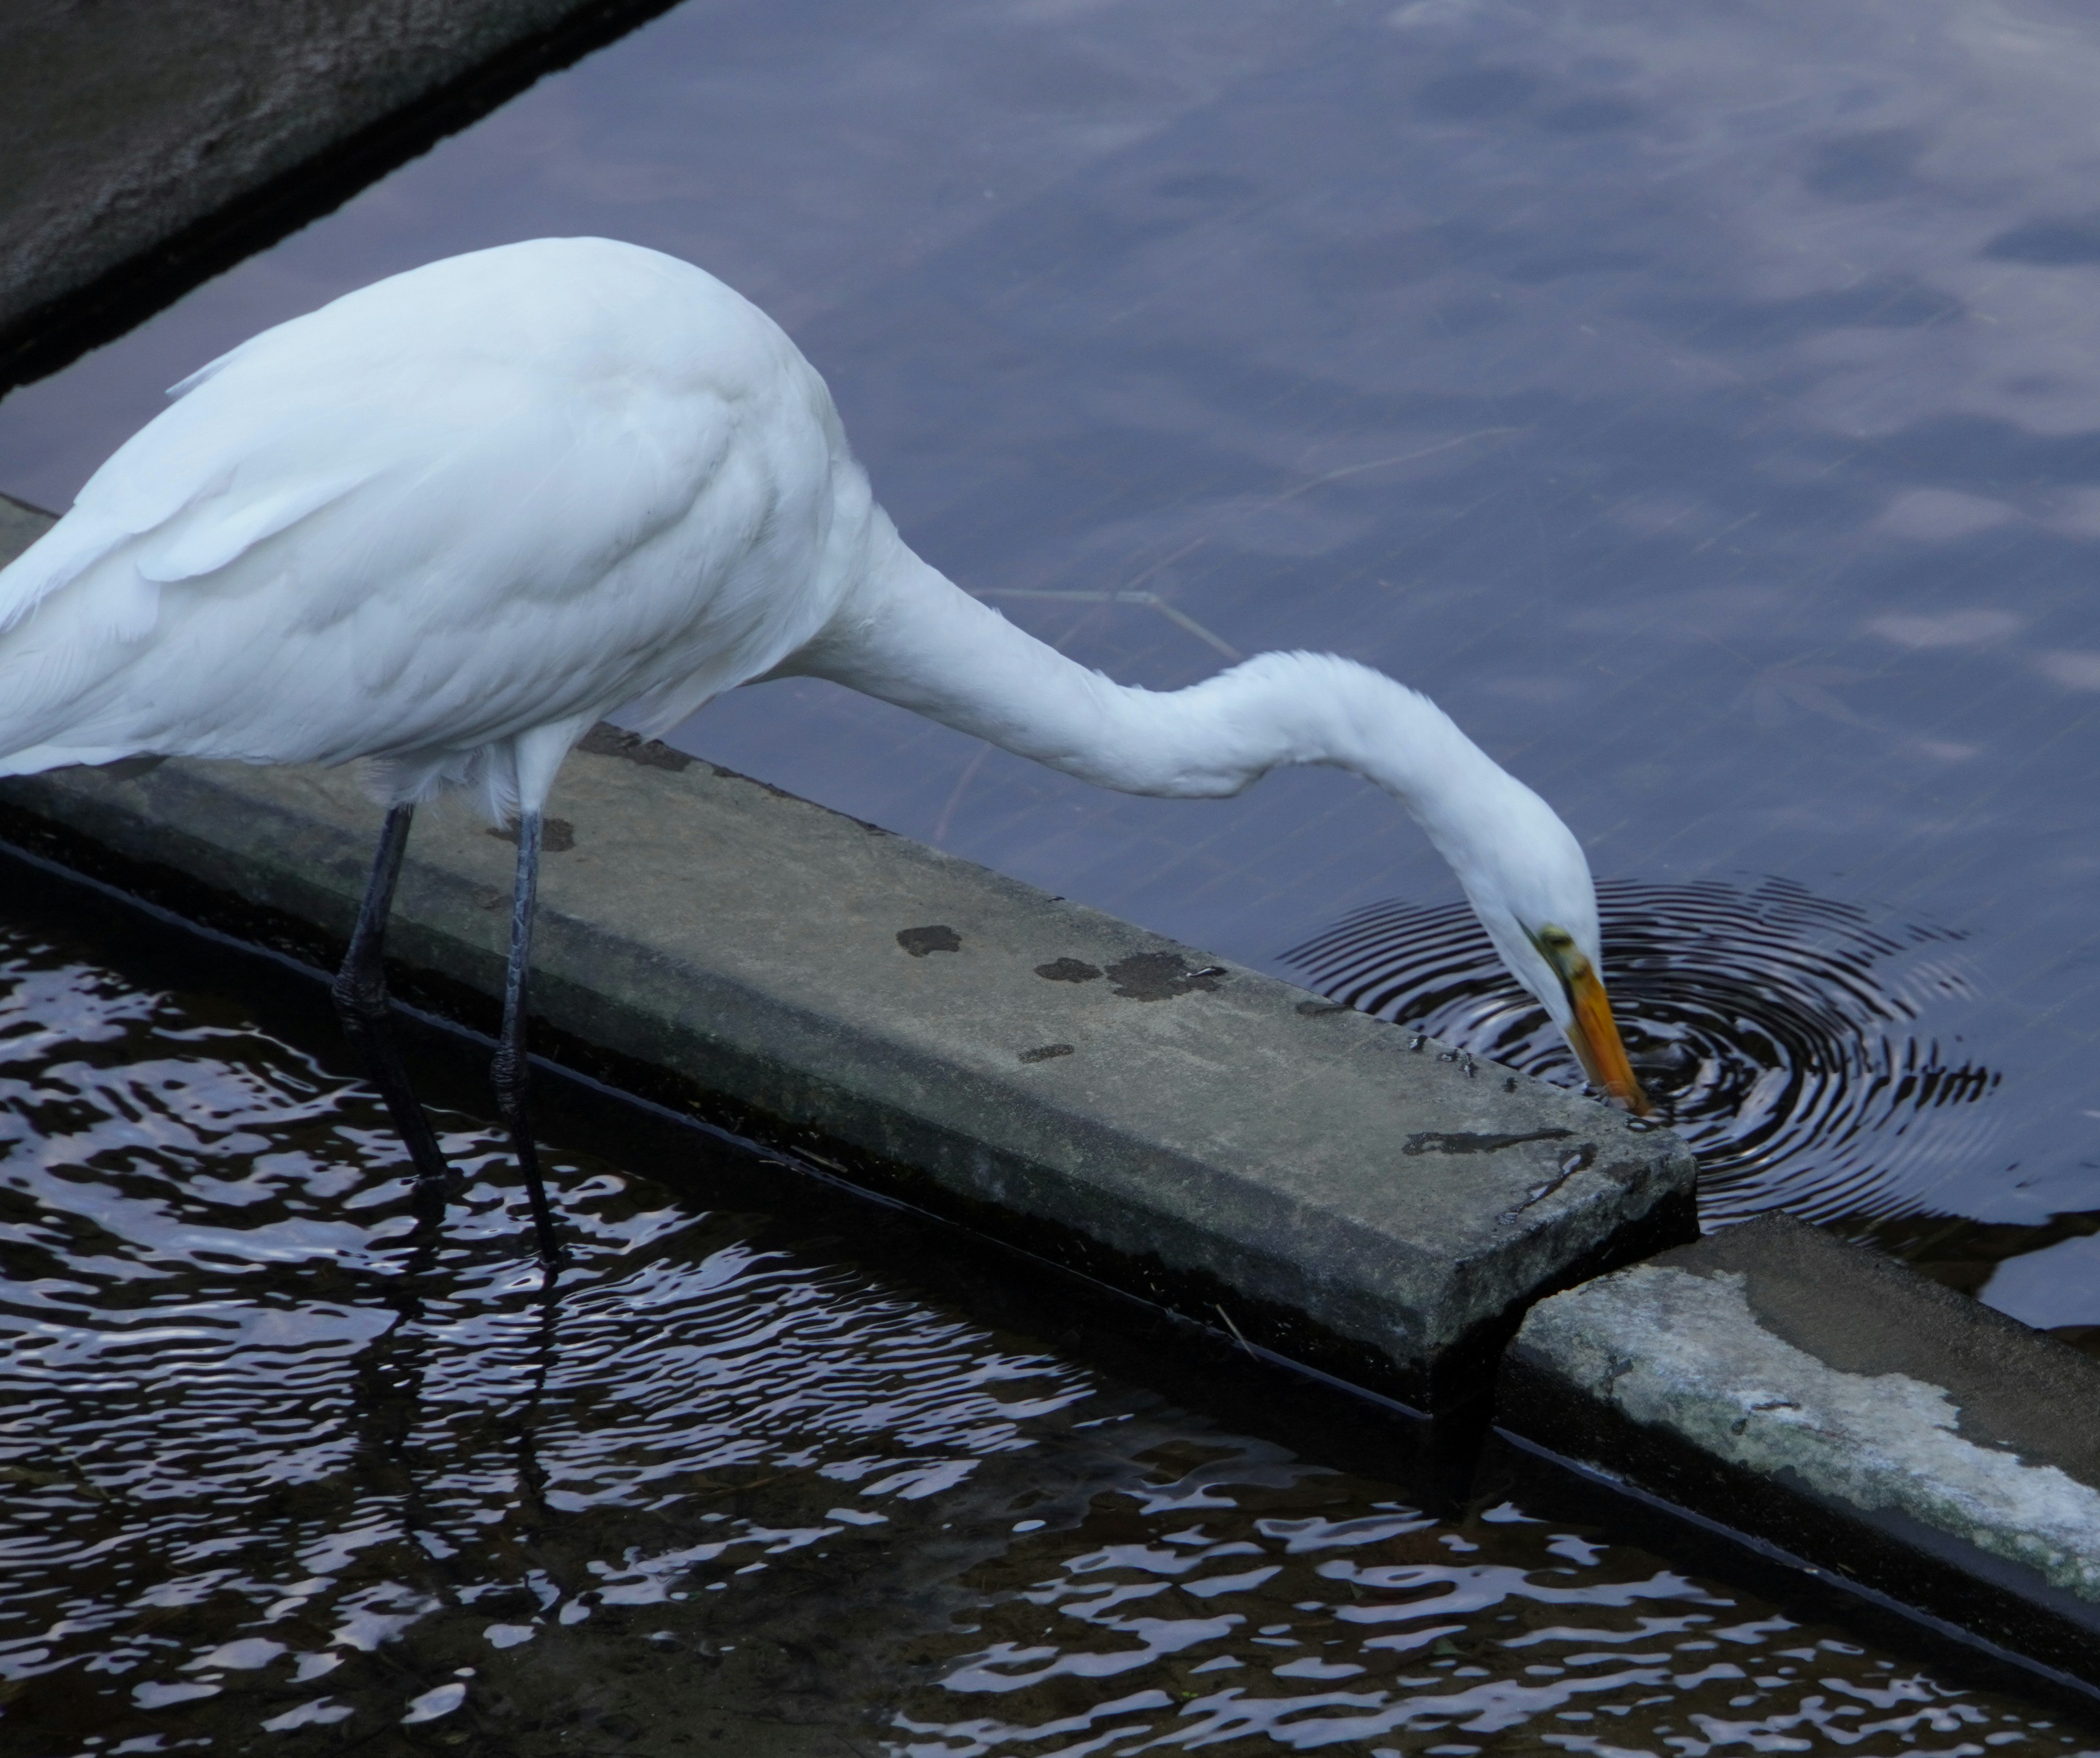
[(1226, 1627), (279, 1471)]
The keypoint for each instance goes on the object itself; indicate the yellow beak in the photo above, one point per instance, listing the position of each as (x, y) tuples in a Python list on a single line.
[(1593, 1032)]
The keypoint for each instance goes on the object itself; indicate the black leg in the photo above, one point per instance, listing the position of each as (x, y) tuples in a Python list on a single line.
[(511, 1064), (360, 998)]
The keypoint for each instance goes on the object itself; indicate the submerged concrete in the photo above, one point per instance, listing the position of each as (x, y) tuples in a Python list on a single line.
[(1330, 1187), (150, 143), (1846, 1410)]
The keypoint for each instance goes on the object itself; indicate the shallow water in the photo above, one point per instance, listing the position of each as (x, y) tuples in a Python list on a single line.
[(282, 1477)]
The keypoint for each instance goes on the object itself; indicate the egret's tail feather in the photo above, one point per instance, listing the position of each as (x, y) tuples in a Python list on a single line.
[(68, 549)]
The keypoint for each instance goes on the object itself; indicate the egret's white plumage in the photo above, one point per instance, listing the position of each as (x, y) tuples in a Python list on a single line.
[(462, 508), (447, 522)]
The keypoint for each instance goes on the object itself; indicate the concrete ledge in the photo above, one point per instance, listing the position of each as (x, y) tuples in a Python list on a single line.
[(150, 143), (1182, 1129), (1046, 1072), (1856, 1415)]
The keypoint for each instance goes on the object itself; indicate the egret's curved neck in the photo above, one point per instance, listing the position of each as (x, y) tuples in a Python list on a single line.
[(907, 635)]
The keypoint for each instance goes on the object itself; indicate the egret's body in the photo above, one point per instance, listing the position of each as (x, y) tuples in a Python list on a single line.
[(448, 521)]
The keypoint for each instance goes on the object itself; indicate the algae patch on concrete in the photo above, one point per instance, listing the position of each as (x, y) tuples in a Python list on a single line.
[(1790, 1386)]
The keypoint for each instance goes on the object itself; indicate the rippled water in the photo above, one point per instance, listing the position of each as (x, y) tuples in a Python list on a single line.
[(280, 1475), (1814, 1054), (1811, 1056)]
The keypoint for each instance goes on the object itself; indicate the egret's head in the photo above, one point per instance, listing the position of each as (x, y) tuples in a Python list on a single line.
[(1529, 882), (1584, 1014), (1523, 871)]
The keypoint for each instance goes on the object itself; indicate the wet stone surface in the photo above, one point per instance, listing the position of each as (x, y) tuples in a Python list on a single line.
[(1160, 977), (138, 138), (1878, 1426), (939, 937), (280, 1479)]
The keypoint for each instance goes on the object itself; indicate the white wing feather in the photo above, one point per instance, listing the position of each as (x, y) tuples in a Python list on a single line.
[(493, 494)]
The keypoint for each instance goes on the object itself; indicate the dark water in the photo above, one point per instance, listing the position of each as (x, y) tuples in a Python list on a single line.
[(280, 1477), (1783, 1036), (1704, 405)]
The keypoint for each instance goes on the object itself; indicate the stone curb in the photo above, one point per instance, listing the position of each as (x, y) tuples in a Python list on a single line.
[(1173, 1125), (151, 143), (1837, 1406)]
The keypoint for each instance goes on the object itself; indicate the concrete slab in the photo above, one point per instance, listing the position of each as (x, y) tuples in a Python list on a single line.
[(1332, 1187), (1854, 1415), (149, 143)]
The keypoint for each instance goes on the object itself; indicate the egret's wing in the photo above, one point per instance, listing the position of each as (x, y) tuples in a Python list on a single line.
[(219, 547), (174, 482), (475, 499)]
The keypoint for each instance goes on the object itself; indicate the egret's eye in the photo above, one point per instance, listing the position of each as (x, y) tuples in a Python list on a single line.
[(1557, 946), (1551, 943)]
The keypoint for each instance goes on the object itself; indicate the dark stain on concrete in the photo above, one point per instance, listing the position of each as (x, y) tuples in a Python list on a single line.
[(606, 740), (2016, 1390), (1042, 1053), (939, 937), (558, 835), (1463, 1141), (1160, 977), (1069, 971), (1579, 1160), (1315, 1009)]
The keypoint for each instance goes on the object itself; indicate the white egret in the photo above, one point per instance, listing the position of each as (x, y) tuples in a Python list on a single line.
[(446, 523)]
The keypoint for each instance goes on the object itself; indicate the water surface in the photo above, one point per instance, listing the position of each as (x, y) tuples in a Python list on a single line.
[(280, 1477)]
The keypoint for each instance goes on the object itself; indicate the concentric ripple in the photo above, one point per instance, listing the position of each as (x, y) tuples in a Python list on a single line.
[(1779, 1032)]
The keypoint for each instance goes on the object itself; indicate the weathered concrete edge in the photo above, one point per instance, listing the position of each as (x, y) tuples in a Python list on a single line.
[(171, 223), (1538, 1477), (794, 1081), (1664, 1379)]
